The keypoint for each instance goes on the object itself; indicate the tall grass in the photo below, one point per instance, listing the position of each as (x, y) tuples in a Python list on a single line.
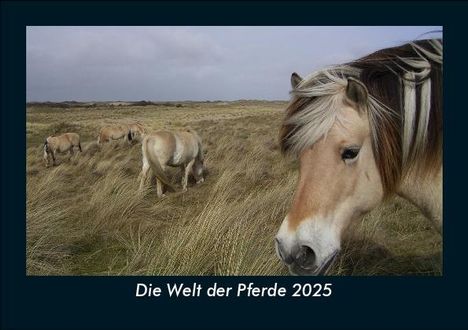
[(87, 216)]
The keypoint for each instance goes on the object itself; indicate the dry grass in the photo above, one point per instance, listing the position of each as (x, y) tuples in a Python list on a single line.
[(86, 216)]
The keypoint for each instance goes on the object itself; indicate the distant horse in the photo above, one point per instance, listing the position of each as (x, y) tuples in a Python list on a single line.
[(137, 131), (62, 143), (178, 149), (114, 132), (362, 131)]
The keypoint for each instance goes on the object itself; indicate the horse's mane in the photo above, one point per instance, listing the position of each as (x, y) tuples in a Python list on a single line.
[(404, 108)]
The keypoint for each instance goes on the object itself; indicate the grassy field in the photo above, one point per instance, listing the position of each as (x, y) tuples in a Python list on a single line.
[(87, 217)]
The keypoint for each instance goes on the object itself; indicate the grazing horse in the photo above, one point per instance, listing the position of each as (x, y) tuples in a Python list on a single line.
[(115, 132), (178, 149), (137, 131), (62, 143), (362, 131)]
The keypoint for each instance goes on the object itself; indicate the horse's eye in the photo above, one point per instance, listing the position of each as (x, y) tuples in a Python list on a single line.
[(349, 153)]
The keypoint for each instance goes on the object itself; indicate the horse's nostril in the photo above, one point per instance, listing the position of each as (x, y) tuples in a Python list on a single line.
[(306, 257)]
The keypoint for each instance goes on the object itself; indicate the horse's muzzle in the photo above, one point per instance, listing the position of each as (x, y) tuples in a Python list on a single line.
[(302, 260), (302, 256)]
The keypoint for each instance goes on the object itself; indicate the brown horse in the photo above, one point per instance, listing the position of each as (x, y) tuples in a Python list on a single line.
[(62, 143), (362, 131), (114, 132), (137, 131), (178, 149)]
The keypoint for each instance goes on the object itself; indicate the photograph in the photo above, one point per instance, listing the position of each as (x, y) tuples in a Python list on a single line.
[(234, 150)]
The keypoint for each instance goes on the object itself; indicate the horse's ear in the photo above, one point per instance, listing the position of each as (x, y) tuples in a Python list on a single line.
[(356, 91), (295, 79)]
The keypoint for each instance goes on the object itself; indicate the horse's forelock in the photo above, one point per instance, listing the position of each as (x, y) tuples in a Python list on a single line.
[(312, 109)]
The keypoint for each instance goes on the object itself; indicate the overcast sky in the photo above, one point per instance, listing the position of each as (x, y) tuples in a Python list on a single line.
[(190, 63)]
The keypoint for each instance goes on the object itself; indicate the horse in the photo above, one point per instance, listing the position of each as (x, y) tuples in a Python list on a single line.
[(362, 132), (137, 131), (61, 143), (114, 132), (177, 149)]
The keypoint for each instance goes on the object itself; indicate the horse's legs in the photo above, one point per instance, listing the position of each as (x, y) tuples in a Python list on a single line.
[(45, 156), (144, 174), (182, 174), (159, 184), (159, 188), (188, 169), (46, 159)]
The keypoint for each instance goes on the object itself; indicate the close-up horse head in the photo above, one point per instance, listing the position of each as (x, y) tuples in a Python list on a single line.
[(361, 132)]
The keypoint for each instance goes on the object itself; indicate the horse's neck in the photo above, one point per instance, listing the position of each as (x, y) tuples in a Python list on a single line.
[(425, 193)]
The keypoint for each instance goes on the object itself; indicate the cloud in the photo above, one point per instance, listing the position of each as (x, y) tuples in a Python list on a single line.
[(199, 63)]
